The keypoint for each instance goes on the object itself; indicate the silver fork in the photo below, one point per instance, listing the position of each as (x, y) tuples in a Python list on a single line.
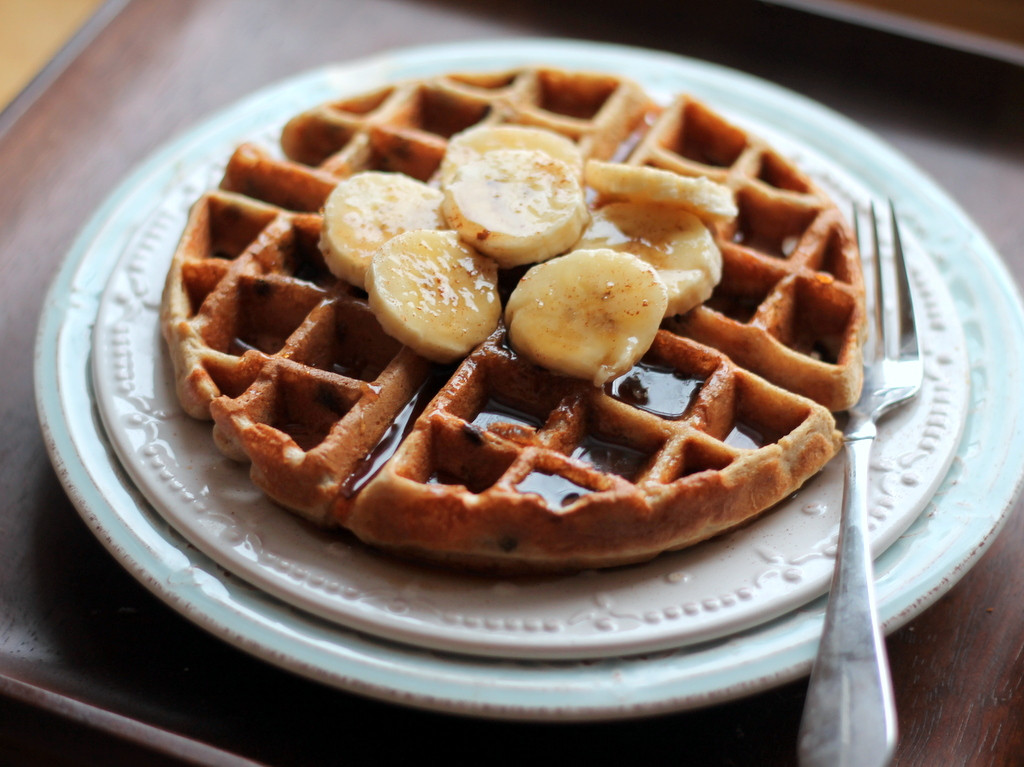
[(849, 717)]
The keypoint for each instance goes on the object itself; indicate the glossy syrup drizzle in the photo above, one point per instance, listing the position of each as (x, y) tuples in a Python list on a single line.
[(556, 490), (747, 437), (496, 410), (610, 457), (396, 433), (356, 368), (657, 389)]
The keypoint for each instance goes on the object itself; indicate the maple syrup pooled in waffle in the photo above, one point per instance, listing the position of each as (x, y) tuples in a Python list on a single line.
[(491, 461)]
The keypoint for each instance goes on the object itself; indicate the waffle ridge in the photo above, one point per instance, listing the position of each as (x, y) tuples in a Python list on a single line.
[(494, 464)]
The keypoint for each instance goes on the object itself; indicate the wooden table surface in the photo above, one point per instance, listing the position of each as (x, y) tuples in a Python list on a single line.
[(99, 671)]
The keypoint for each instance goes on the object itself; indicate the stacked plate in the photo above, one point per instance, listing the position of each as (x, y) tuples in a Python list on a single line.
[(727, 618)]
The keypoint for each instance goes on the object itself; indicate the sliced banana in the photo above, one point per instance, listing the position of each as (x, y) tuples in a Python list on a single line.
[(674, 242), (366, 210), (710, 201), (518, 206), (590, 314), (471, 143), (433, 293)]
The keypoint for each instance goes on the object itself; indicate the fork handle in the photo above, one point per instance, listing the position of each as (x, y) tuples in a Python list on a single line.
[(849, 716)]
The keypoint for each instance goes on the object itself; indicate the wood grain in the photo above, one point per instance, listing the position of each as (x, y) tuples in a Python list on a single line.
[(74, 622)]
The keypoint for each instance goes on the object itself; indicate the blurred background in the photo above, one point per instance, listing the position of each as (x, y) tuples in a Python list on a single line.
[(31, 33)]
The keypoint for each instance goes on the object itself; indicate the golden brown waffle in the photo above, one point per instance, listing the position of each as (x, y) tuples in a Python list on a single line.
[(790, 305), (496, 464)]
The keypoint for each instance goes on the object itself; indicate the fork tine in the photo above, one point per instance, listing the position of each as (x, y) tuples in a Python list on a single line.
[(883, 319), (908, 348), (874, 348)]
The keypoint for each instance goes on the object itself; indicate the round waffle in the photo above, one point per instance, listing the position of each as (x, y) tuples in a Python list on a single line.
[(494, 463)]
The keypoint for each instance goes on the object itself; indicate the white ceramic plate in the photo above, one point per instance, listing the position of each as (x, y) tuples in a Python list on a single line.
[(919, 565)]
